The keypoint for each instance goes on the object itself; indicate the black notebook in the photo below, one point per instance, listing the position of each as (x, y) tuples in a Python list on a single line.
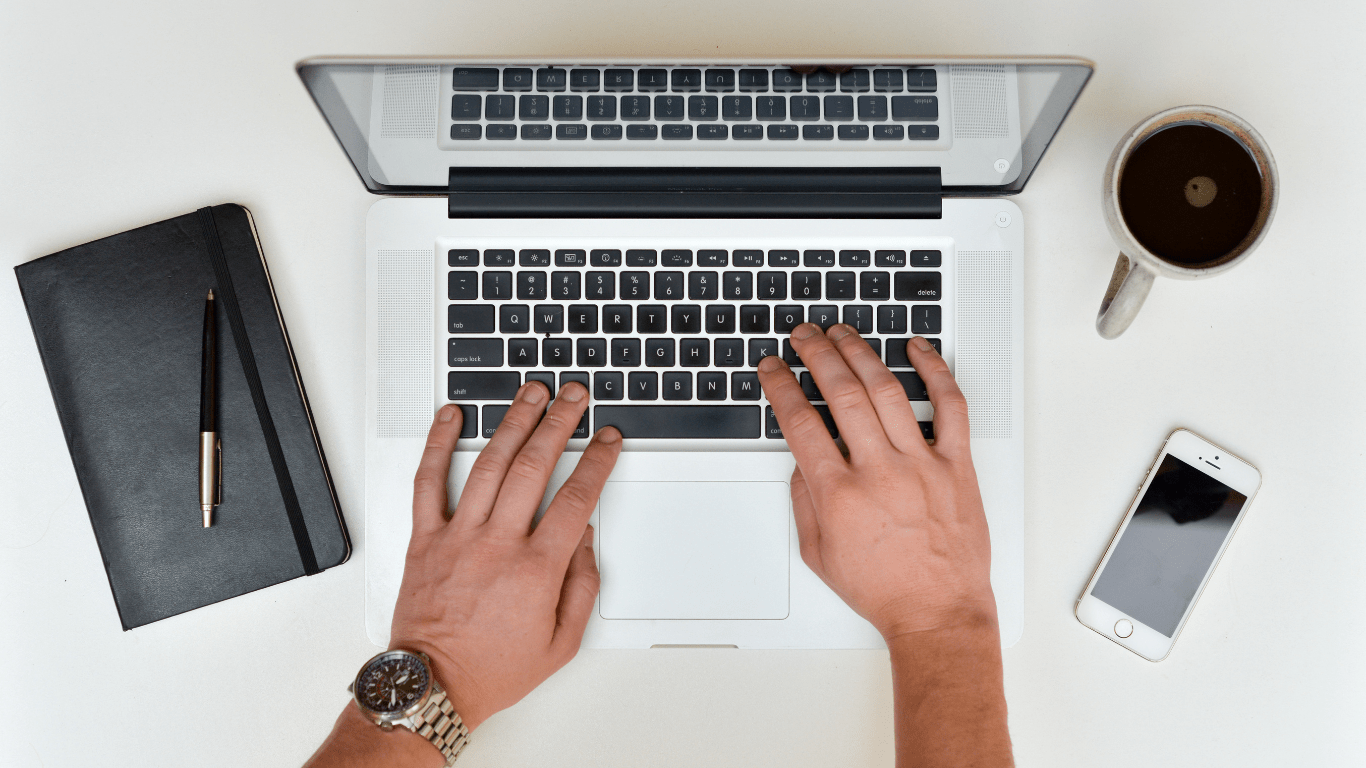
[(119, 326)]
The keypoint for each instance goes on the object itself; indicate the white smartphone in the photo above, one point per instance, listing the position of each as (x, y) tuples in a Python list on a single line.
[(1178, 526)]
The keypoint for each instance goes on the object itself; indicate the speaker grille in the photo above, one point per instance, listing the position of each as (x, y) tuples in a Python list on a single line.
[(979, 102), (405, 397), (985, 339), (409, 110)]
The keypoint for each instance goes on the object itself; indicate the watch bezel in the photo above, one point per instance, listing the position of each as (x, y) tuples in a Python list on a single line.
[(391, 718)]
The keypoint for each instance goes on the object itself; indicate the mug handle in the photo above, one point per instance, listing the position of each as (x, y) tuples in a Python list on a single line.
[(1129, 286)]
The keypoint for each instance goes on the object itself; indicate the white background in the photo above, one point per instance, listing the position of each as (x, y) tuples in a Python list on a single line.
[(114, 115)]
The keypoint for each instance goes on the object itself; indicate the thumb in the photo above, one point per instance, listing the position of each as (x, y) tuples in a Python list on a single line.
[(804, 514), (577, 596)]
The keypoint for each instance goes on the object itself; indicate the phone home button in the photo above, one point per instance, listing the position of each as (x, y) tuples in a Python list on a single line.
[(1124, 628)]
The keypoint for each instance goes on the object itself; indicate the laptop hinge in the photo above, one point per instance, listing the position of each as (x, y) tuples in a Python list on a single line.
[(730, 193)]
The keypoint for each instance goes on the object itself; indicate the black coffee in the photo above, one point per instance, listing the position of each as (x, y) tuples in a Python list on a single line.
[(1190, 193)]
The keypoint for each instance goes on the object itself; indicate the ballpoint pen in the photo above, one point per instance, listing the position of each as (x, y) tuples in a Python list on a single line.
[(209, 446)]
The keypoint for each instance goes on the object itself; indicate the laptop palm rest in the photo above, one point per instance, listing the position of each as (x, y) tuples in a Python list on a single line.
[(694, 550)]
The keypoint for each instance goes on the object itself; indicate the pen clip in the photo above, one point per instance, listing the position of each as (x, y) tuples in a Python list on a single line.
[(218, 492)]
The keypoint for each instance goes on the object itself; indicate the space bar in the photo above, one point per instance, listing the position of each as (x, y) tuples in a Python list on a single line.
[(679, 421)]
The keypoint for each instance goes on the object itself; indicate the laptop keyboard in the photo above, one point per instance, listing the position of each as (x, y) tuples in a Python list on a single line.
[(653, 104), (667, 340)]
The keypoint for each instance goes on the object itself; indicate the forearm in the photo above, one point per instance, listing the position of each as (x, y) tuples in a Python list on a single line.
[(356, 742), (950, 697)]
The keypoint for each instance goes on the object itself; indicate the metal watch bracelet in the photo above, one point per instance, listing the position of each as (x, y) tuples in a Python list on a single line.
[(439, 724)]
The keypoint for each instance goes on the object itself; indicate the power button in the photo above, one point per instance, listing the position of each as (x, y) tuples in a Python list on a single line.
[(1124, 628), (1002, 219)]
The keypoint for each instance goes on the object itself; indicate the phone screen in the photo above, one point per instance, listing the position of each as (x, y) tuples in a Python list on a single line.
[(1166, 550)]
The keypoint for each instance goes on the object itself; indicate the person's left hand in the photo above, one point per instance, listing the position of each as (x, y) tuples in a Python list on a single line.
[(498, 606)]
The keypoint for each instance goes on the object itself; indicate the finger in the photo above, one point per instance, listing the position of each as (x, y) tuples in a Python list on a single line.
[(568, 513), (525, 482), (884, 390), (580, 590), (951, 431), (843, 392), (804, 513), (429, 485), (807, 437), (486, 476)]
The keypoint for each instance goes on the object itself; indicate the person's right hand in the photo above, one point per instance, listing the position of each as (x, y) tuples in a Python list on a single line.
[(896, 528)]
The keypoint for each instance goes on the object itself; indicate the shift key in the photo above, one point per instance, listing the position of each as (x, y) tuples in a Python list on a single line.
[(470, 318), (482, 385)]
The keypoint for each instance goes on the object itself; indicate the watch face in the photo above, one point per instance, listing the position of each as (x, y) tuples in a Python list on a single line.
[(392, 683)]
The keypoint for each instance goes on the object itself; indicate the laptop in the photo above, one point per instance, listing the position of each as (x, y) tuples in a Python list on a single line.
[(652, 229)]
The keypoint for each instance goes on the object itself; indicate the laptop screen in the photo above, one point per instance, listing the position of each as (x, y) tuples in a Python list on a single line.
[(981, 124)]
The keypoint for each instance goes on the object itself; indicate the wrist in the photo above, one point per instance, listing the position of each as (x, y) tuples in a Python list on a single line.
[(356, 740), (460, 691)]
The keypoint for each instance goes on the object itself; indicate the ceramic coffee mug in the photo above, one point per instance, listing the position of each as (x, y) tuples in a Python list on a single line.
[(1189, 193)]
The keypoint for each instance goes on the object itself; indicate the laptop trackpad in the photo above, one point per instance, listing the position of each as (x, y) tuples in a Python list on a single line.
[(698, 550)]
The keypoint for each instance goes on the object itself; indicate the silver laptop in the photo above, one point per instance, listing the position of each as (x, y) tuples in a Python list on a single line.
[(653, 229)]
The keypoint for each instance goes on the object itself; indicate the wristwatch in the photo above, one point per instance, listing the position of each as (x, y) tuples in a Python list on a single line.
[(397, 688)]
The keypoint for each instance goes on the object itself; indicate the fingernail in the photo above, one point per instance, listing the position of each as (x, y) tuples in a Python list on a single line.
[(922, 344), (532, 392), (587, 540), (446, 413), (608, 435), (770, 363), (838, 331), (572, 393), (806, 331)]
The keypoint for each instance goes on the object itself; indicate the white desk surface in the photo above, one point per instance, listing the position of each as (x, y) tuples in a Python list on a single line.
[(121, 114)]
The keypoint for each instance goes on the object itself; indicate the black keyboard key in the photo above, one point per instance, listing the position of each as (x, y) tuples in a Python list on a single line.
[(551, 79), (855, 259), (584, 79), (806, 286), (773, 431), (568, 376), (581, 431), (675, 257), (748, 258), (533, 108), (784, 259), (557, 353), (790, 355), (918, 286), (626, 353), (668, 286), (891, 318), (618, 80), (782, 132), (606, 131), (564, 286), (548, 318), (747, 132), (501, 132), (517, 79), (737, 107), (645, 132), (608, 385), (500, 257), (582, 318), (600, 286), (896, 352), (839, 108), (635, 286), (754, 79), (926, 319), (712, 258), (712, 132), (874, 286), (680, 421), (887, 80), (500, 107), (474, 353), (888, 132), (568, 108), (493, 416), (855, 81), (875, 345), (738, 286), (482, 385), (466, 131), (840, 286), (745, 386), (678, 385), (571, 258), (818, 132), (532, 286), (815, 259), (466, 107), (592, 354), (711, 385), (469, 318), (462, 286), (533, 257), (616, 318), (687, 80), (669, 107), (922, 132), (602, 107), (694, 353), (514, 318), (635, 108), (685, 318), (474, 79), (786, 317), (753, 318), (890, 258), (545, 377), (469, 422), (497, 286), (704, 286), (761, 348), (659, 353), (720, 318), (806, 108), (921, 80), (522, 353), (536, 132), (772, 286), (926, 259), (652, 318), (730, 353), (859, 317), (653, 80), (702, 108), (641, 385), (913, 384), (603, 257), (809, 387), (915, 108), (676, 131), (821, 82), (872, 108), (770, 108), (720, 80), (787, 80), (853, 132), (463, 257), (824, 315)]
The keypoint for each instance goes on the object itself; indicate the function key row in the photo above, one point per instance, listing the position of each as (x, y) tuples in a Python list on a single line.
[(536, 108), (686, 80), (684, 131), (645, 257)]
